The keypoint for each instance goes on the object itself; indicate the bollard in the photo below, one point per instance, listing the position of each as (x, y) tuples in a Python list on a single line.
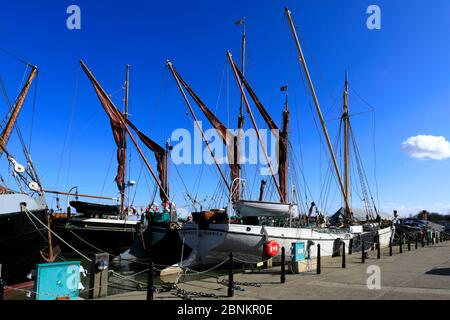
[(417, 242), (98, 280), (318, 260), (400, 243), (350, 247), (390, 247), (428, 240), (423, 241), (343, 255), (230, 277), (363, 253), (150, 265), (150, 281), (378, 248), (283, 263), (1, 283), (409, 243)]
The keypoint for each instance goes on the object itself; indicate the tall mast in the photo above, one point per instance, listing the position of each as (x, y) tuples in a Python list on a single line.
[(243, 48), (238, 138), (124, 147), (346, 120), (317, 105), (4, 137), (283, 152), (166, 167)]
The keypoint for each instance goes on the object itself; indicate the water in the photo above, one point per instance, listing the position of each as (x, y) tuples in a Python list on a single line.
[(126, 274)]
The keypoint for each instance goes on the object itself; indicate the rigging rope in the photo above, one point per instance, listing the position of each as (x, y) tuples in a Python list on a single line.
[(57, 236)]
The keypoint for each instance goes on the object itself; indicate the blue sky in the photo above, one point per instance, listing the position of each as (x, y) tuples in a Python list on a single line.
[(402, 70)]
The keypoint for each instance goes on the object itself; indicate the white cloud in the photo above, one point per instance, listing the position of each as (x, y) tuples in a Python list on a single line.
[(427, 147)]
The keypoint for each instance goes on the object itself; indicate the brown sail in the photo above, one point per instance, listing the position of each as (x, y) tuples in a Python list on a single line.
[(160, 156), (14, 113), (116, 126), (228, 139), (282, 136)]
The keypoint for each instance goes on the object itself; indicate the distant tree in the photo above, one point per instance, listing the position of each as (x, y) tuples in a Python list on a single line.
[(432, 216)]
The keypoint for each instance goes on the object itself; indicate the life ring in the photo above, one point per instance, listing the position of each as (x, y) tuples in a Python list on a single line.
[(272, 248), (174, 226)]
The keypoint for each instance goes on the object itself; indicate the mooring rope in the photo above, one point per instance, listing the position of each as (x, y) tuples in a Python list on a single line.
[(46, 227)]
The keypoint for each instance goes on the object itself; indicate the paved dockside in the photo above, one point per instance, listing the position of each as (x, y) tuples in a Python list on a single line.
[(418, 274)]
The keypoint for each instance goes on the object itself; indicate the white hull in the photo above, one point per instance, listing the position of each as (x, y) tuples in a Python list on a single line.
[(214, 244), (11, 203)]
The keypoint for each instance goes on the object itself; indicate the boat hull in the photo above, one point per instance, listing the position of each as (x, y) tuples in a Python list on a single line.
[(247, 242), (167, 247), (91, 236), (20, 244)]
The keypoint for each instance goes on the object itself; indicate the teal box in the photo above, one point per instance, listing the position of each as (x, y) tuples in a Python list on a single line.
[(298, 251), (57, 280)]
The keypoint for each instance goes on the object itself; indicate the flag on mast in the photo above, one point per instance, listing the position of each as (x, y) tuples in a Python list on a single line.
[(240, 22)]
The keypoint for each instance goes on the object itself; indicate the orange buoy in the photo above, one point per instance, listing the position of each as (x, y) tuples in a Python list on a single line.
[(272, 248)]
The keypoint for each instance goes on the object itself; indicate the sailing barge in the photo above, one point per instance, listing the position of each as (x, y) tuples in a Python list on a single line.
[(264, 225), (114, 234), (23, 214), (100, 227)]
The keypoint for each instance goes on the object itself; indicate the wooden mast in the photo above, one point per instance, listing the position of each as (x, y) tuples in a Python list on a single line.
[(283, 153), (317, 105), (346, 120), (16, 110), (124, 147), (243, 49), (169, 64), (230, 58), (166, 167), (238, 137)]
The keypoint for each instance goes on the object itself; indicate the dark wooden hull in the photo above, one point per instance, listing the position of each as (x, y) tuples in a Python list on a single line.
[(167, 247), (20, 244), (94, 237)]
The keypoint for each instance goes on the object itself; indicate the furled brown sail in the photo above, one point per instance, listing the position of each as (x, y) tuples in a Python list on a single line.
[(282, 136), (117, 125), (228, 139), (160, 156)]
